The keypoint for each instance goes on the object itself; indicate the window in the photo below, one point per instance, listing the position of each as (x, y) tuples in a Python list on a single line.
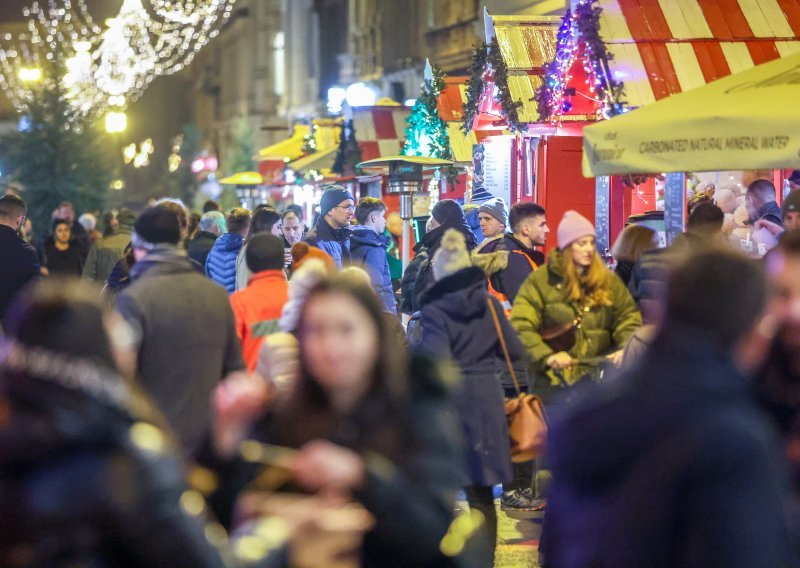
[(279, 57)]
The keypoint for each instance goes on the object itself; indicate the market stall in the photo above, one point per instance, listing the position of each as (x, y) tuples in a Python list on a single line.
[(518, 156), (631, 54), (733, 125)]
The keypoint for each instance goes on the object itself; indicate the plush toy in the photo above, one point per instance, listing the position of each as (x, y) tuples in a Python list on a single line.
[(726, 200), (741, 216), (728, 224)]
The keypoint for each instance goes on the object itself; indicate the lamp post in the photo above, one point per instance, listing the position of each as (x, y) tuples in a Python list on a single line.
[(406, 174)]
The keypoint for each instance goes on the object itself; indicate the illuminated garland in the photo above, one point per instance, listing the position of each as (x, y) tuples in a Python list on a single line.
[(488, 60), (503, 96), (580, 28), (474, 86), (310, 141)]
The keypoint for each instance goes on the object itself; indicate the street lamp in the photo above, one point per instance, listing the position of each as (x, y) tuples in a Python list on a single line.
[(116, 121), (405, 179), (30, 74)]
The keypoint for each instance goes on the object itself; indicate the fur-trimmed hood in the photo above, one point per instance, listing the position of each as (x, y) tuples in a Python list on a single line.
[(489, 257)]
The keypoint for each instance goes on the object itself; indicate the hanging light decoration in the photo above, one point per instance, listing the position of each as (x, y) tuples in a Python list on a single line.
[(111, 66)]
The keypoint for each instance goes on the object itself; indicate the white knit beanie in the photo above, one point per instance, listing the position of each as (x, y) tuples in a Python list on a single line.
[(451, 256)]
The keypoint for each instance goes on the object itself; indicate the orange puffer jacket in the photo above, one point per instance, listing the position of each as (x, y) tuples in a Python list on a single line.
[(257, 309)]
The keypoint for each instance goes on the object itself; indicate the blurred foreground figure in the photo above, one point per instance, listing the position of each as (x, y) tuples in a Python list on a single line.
[(87, 475), (779, 380), (672, 464), (359, 424), (19, 259)]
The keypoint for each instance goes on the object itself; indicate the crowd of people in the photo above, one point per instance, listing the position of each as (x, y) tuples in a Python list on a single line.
[(239, 388)]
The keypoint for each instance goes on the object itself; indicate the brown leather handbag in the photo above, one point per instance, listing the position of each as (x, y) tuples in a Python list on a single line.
[(562, 337), (527, 421)]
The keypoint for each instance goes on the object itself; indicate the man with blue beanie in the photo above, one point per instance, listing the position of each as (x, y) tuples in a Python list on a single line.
[(332, 233)]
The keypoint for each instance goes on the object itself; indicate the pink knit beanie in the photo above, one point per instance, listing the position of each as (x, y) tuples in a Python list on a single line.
[(573, 227)]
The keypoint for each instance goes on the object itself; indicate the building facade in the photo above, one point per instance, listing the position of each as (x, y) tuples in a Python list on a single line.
[(275, 60)]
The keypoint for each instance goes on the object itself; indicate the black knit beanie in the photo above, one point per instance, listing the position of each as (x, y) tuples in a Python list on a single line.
[(264, 252), (447, 212), (156, 225), (333, 196)]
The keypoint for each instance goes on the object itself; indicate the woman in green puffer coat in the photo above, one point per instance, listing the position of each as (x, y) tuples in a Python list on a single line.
[(574, 281)]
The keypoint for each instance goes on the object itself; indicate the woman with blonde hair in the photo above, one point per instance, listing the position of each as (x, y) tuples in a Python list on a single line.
[(573, 309), (631, 244)]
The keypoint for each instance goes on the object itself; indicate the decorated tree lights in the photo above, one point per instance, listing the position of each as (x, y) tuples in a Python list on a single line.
[(579, 42), (105, 67)]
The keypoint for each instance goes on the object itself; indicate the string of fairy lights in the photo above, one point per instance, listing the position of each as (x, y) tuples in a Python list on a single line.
[(105, 67)]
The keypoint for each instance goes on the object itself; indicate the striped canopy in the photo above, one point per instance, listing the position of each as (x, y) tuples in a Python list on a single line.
[(665, 47)]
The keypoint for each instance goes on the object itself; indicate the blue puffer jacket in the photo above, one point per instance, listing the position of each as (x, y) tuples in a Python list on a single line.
[(335, 242), (221, 261), (368, 248)]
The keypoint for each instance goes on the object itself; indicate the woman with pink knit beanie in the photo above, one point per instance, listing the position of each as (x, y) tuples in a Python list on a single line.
[(569, 310), (573, 308)]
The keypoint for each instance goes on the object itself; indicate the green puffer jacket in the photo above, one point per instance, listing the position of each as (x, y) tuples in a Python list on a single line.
[(540, 305)]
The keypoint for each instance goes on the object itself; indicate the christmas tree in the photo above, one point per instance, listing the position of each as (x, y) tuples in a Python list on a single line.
[(181, 182), (426, 134), (349, 153), (240, 152), (60, 154)]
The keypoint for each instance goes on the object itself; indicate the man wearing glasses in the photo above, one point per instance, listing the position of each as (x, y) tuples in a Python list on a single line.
[(19, 259), (332, 231)]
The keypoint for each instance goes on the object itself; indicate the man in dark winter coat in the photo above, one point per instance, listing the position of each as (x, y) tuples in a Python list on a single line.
[(221, 260), (332, 232), (105, 254), (672, 464), (446, 214), (18, 259), (651, 271), (212, 225), (761, 204), (189, 338), (368, 246), (508, 259)]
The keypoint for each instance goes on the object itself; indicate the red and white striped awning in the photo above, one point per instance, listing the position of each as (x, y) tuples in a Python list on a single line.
[(380, 130), (664, 47)]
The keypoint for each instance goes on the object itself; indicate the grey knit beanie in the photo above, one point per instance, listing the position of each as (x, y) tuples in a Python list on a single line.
[(497, 208)]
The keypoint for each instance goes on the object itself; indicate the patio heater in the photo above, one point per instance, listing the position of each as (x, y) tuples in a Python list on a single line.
[(406, 175), (246, 185)]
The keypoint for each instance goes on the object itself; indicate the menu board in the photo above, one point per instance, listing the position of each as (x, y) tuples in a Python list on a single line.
[(674, 205), (492, 169), (602, 214)]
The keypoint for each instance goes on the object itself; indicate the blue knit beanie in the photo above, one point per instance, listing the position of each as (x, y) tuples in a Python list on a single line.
[(333, 196)]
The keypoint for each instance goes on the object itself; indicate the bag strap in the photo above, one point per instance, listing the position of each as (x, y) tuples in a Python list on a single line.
[(503, 344)]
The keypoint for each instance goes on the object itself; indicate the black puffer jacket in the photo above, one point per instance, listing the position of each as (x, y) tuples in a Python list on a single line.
[(458, 325), (419, 276), (83, 483)]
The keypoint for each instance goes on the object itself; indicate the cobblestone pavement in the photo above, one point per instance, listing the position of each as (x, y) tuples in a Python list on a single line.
[(518, 538)]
